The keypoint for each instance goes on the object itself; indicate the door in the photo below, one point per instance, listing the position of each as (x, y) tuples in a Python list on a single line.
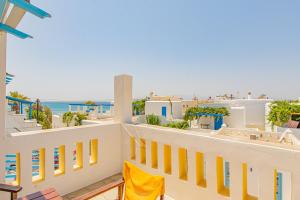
[(218, 122), (164, 111)]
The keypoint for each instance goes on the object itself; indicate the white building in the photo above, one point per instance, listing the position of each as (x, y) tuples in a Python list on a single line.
[(244, 113), (169, 107)]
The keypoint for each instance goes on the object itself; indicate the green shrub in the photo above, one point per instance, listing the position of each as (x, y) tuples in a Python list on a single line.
[(69, 117), (43, 117), (281, 112), (179, 125), (191, 113), (153, 119)]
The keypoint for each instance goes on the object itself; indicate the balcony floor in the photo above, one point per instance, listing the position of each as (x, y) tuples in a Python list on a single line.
[(110, 195)]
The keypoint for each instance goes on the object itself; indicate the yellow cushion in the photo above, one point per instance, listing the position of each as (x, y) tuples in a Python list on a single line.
[(140, 185)]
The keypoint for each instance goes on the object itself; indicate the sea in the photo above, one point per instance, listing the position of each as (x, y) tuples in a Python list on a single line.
[(60, 107)]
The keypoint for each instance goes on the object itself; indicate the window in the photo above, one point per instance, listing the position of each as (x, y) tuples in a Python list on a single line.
[(93, 151), (59, 160), (38, 165), (77, 156), (167, 159)]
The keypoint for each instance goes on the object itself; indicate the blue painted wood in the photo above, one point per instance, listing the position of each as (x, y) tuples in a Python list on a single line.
[(164, 111), (30, 8), (279, 186), (218, 121), (3, 4), (13, 31)]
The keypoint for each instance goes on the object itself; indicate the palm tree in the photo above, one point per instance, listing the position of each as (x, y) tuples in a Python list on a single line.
[(18, 95)]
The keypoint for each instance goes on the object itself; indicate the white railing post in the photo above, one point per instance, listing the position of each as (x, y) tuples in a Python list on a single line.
[(266, 182), (236, 180), (123, 98), (211, 175), (295, 185)]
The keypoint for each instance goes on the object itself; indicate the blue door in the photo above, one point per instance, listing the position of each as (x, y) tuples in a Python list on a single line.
[(279, 186), (164, 111), (218, 122)]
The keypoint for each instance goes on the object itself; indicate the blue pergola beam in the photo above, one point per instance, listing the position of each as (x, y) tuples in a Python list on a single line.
[(30, 8), (21, 102), (13, 31)]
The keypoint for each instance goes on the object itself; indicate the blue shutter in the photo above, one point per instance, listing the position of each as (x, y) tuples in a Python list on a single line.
[(279, 186)]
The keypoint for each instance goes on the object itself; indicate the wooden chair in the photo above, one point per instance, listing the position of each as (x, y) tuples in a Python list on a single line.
[(121, 184)]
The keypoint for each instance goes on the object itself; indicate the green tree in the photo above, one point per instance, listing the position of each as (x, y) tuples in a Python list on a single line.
[(68, 118), (139, 106), (78, 117), (18, 95), (16, 106), (281, 112), (89, 102), (43, 116)]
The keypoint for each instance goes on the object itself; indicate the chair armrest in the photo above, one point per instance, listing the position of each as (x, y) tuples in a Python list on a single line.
[(10, 188), (119, 183)]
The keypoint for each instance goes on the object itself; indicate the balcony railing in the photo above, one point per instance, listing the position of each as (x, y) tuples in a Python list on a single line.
[(195, 165)]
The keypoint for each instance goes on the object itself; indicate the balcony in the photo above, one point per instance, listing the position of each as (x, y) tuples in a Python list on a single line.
[(177, 155), (196, 165)]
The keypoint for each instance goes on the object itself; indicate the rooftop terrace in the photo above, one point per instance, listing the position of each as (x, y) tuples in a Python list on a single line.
[(195, 164)]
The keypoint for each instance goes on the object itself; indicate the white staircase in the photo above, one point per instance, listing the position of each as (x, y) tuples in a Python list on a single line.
[(18, 123)]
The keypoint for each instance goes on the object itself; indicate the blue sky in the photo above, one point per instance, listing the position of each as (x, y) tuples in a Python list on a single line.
[(186, 47)]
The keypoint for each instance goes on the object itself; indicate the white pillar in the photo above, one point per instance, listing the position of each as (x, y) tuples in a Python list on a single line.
[(3, 39), (211, 175), (236, 180), (123, 98), (266, 182)]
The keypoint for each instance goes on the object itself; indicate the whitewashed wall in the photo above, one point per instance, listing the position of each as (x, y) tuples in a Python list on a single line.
[(109, 156), (264, 158), (155, 107), (237, 118)]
